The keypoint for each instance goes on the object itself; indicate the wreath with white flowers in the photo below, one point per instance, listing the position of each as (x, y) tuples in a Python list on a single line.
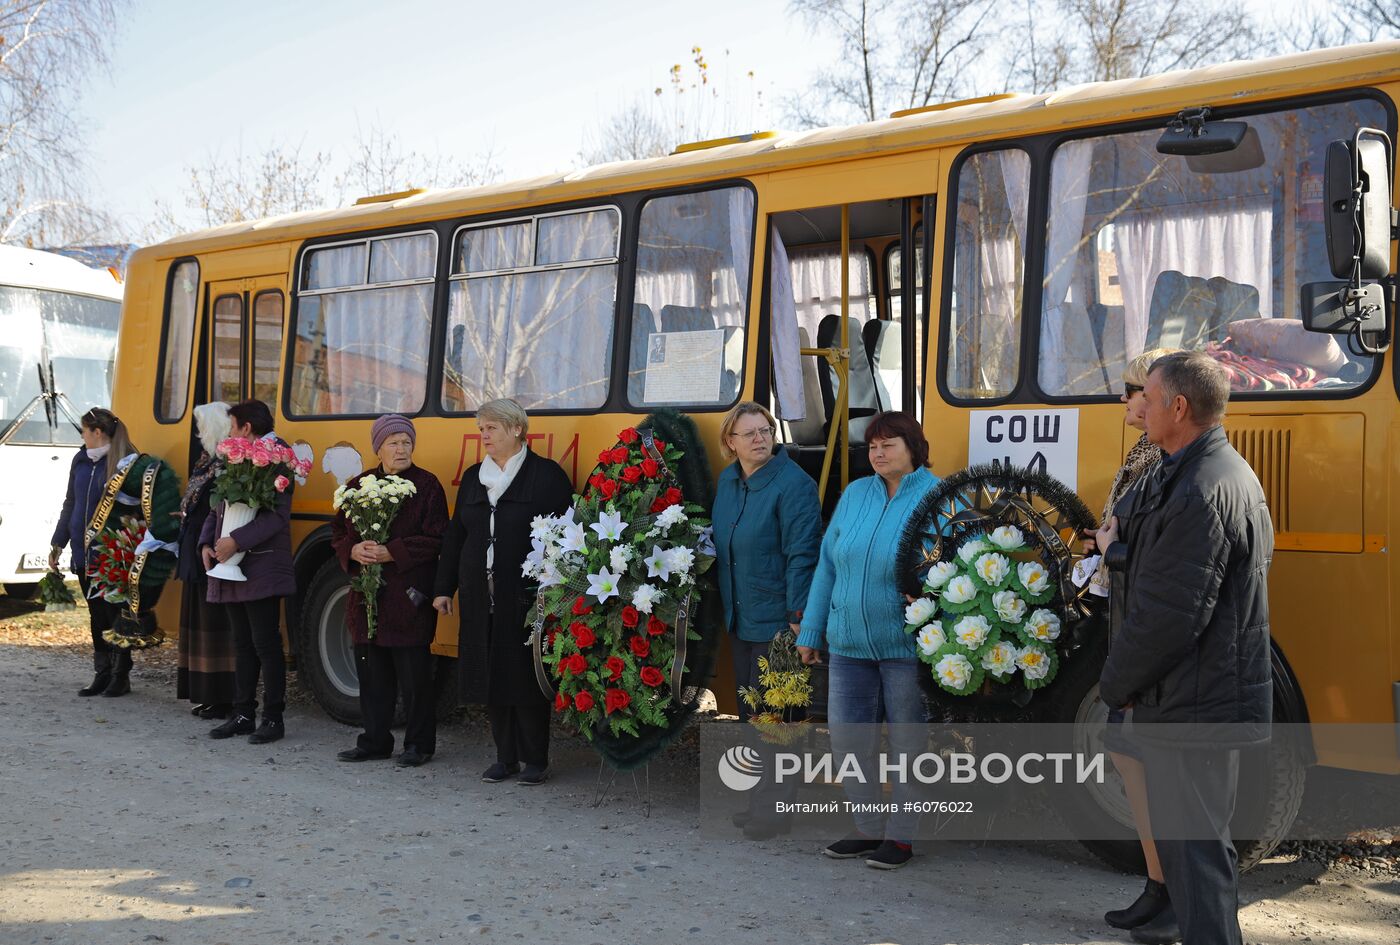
[(987, 557)]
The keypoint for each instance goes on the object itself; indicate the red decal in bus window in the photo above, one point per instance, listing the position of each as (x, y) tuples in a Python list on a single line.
[(462, 459), (531, 439), (572, 450)]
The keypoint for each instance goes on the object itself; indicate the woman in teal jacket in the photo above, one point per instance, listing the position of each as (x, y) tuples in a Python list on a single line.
[(855, 612), (768, 530)]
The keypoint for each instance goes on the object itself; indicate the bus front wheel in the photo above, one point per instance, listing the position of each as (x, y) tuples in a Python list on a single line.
[(22, 591), (326, 656)]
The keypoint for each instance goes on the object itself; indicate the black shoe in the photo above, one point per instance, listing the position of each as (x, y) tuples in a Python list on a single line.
[(359, 754), (852, 846), (741, 819), (199, 708), (100, 680), (890, 856), (271, 730), (413, 758), (533, 775), (238, 725), (217, 710), (1153, 900), (499, 772), (119, 686), (1162, 930)]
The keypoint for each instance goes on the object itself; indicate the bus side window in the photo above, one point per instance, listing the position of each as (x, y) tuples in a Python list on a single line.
[(226, 354), (181, 304), (983, 341), (267, 345)]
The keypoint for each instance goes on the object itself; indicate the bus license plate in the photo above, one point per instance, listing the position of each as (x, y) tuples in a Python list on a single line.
[(39, 562)]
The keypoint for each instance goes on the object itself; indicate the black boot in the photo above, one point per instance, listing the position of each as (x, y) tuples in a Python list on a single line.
[(121, 674), (1162, 930), (1153, 900), (271, 730), (102, 674)]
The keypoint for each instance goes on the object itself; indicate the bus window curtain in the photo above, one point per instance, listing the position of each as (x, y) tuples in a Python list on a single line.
[(787, 348), (1069, 362)]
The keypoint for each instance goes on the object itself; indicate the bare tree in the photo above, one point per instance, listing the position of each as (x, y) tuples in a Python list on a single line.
[(47, 47), (892, 54), (693, 105), (380, 164), (1318, 25)]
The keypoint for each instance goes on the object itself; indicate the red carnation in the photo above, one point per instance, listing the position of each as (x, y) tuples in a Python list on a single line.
[(605, 456), (561, 702), (652, 676), (628, 435), (650, 468), (667, 499), (660, 445), (609, 488), (641, 646), (583, 701), (615, 667), (615, 699), (619, 454), (632, 474), (630, 616), (583, 636), (574, 663), (596, 480), (655, 627), (581, 607)]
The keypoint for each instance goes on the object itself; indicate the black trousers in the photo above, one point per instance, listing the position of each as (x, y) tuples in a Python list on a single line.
[(102, 617), (385, 672), (257, 642), (521, 733), (763, 799), (1191, 802)]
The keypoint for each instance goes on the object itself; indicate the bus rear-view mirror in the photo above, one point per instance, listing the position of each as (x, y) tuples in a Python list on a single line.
[(1190, 134)]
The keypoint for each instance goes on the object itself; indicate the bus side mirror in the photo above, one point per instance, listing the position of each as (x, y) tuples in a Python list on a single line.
[(1358, 214), (1359, 225)]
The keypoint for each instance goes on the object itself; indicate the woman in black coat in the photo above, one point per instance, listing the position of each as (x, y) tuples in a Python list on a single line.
[(482, 553)]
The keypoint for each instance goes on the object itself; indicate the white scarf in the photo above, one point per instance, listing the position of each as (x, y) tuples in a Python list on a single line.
[(497, 480), (94, 453)]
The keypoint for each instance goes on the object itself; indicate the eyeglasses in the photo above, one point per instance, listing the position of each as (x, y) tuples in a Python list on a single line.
[(754, 436), (1131, 389)]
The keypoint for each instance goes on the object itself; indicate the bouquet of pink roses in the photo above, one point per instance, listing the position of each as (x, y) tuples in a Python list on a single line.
[(256, 471)]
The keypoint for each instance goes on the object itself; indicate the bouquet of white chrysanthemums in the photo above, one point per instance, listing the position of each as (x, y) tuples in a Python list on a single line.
[(983, 613), (370, 507)]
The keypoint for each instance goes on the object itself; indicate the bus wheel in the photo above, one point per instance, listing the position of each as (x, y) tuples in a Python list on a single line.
[(326, 657), (1270, 785), (22, 591)]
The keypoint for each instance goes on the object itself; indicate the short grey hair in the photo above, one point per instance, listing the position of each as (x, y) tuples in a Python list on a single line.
[(1199, 378), (507, 412), (211, 424)]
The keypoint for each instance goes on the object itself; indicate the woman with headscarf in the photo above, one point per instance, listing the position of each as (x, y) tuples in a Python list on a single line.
[(485, 545), (397, 660), (206, 656)]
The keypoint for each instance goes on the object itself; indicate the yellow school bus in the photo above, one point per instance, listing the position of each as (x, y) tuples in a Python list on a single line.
[(988, 265)]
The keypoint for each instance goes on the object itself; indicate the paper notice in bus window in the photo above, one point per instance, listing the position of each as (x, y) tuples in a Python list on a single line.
[(684, 366), (1042, 440)]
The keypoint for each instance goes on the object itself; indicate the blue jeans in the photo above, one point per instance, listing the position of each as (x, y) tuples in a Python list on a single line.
[(864, 693)]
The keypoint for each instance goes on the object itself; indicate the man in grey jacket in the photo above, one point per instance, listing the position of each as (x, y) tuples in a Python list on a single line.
[(1190, 654)]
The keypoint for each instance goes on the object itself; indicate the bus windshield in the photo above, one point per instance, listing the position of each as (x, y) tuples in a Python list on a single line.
[(1147, 250), (72, 336)]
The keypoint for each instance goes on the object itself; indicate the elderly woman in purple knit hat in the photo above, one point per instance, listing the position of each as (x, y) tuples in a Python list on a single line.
[(397, 661)]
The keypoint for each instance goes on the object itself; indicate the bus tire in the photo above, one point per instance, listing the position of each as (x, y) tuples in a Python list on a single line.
[(22, 591), (326, 657), (1270, 785)]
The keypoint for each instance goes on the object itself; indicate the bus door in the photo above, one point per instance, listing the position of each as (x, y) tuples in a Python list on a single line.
[(244, 349), (837, 272)]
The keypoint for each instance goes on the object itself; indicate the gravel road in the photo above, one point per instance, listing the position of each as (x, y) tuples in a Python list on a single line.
[(124, 824)]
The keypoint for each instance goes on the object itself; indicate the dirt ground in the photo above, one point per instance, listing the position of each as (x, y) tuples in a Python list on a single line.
[(123, 823)]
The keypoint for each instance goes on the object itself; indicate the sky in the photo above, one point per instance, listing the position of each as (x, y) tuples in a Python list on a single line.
[(523, 81)]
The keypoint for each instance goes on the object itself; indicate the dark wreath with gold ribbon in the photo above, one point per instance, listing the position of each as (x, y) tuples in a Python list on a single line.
[(968, 507)]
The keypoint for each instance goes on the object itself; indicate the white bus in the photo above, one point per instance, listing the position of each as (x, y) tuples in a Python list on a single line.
[(58, 341)]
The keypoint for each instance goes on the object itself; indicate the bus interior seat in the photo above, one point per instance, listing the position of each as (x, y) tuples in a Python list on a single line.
[(887, 364), (731, 364), (869, 334), (862, 401), (808, 431), (686, 318), (1189, 311), (643, 325)]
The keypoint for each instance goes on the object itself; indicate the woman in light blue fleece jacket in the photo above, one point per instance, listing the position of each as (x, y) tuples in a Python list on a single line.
[(855, 612)]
